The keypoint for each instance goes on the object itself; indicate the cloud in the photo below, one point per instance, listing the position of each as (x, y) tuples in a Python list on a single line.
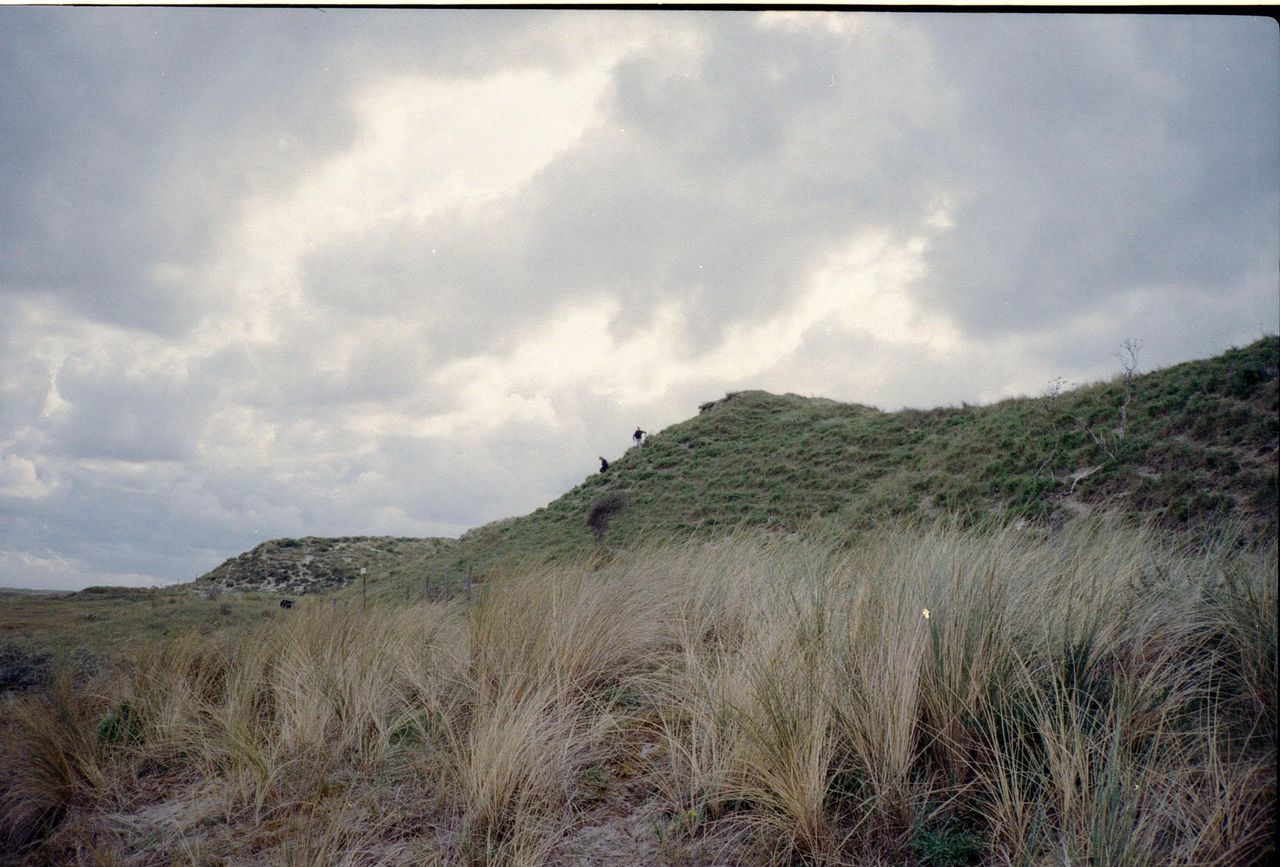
[(132, 139), (135, 138), (1095, 158), (20, 478), (51, 571)]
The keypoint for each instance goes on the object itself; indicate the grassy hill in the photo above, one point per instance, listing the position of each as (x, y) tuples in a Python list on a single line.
[(1093, 693), (1188, 446)]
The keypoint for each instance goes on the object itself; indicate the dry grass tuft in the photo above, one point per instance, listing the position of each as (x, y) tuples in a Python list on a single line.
[(1102, 697)]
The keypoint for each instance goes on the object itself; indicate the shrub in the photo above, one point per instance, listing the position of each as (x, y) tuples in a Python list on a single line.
[(947, 846), (602, 512), (22, 669), (121, 726)]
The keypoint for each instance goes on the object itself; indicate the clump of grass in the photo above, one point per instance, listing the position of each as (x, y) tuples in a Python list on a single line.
[(58, 763), (542, 645)]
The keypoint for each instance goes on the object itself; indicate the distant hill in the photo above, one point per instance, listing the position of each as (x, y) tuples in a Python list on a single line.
[(315, 564), (1188, 446)]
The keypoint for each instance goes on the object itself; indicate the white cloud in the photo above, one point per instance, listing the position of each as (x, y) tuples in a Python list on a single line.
[(20, 478), (49, 570), (54, 404), (864, 288), (425, 146), (830, 23)]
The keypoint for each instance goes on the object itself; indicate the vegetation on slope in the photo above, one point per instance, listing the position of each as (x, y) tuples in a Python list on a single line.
[(315, 564), (929, 696), (1191, 446)]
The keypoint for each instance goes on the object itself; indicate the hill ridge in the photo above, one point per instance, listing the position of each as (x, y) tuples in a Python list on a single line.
[(1187, 446)]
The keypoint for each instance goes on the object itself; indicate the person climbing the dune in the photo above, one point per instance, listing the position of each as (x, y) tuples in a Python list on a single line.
[(604, 465), (638, 436)]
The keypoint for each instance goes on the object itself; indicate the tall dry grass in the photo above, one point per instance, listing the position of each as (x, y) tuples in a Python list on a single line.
[(1103, 696)]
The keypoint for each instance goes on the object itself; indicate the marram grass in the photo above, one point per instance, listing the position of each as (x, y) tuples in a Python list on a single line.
[(917, 695)]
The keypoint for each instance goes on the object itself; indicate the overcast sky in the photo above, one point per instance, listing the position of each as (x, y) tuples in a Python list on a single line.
[(291, 272)]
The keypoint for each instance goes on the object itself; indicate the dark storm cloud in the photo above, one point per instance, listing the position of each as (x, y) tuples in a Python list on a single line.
[(113, 418), (132, 138), (461, 279), (156, 519), (1099, 156)]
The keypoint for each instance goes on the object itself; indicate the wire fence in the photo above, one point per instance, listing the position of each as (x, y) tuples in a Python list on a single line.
[(449, 585)]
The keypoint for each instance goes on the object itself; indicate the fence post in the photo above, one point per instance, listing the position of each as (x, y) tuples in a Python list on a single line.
[(468, 583), (426, 586), (446, 584), (364, 592)]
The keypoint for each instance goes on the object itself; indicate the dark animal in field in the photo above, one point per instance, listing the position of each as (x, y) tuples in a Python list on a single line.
[(286, 603)]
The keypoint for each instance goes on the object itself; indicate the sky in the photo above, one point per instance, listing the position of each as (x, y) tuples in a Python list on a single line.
[(274, 272)]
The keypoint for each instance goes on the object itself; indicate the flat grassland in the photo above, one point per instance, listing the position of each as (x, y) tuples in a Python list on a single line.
[(89, 629), (111, 618)]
